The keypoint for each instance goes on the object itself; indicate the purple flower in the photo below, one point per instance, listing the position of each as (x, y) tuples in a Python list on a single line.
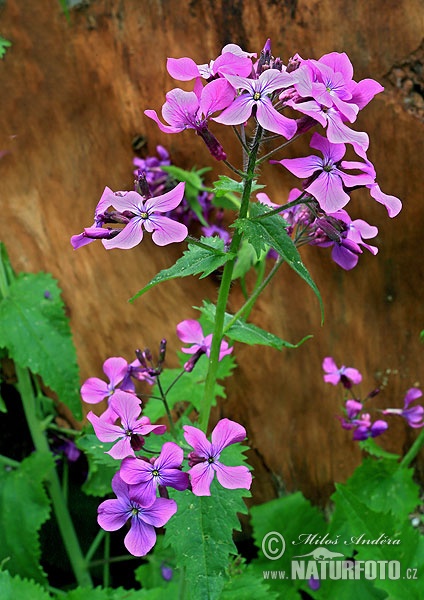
[(191, 332), (191, 110), (145, 213), (364, 429), (94, 390), (127, 435), (113, 514), (326, 181), (232, 61), (204, 461), (165, 470), (345, 375), (90, 234), (257, 97), (415, 415)]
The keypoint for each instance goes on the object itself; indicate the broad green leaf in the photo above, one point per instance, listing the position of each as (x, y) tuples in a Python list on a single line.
[(371, 446), (200, 533), (188, 388), (225, 184), (15, 588), (149, 574), (204, 258), (263, 232), (248, 585), (101, 466), (240, 331), (246, 258), (35, 330), (24, 507), (385, 487)]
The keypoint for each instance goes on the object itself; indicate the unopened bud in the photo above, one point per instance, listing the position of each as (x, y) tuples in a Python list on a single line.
[(212, 143), (191, 363), (141, 185)]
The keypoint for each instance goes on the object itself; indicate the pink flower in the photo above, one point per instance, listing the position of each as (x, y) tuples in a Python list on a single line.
[(204, 461), (127, 435), (232, 61), (94, 390), (113, 514), (415, 415), (346, 375), (191, 332)]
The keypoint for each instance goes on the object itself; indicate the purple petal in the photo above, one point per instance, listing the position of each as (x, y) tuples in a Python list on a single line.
[(131, 201), (272, 120), (238, 112), (327, 188), (171, 457), (182, 69), (141, 537), (130, 236), (197, 439), (226, 433), (233, 478), (353, 374), (346, 260), (105, 201), (166, 230), (159, 513), (201, 476), (216, 95), (94, 390), (365, 91), (106, 432), (122, 448), (190, 332), (392, 204), (174, 478), (135, 471), (180, 108), (115, 368), (411, 395), (112, 514), (232, 64), (303, 167), (333, 151), (272, 80), (338, 132), (165, 128), (339, 62), (166, 202), (329, 365)]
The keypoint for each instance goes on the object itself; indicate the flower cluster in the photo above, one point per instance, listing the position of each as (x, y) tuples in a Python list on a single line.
[(354, 419), (141, 483)]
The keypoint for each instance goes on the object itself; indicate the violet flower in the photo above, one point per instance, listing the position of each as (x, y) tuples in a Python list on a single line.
[(415, 415), (127, 435), (113, 514), (165, 470), (190, 332), (257, 96), (145, 213), (232, 61), (347, 376), (94, 390), (326, 180), (204, 461)]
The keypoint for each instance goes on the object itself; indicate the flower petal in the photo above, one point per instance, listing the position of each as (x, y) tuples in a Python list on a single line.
[(160, 512), (272, 120), (233, 478), (130, 236), (167, 231), (112, 515), (94, 390), (226, 433), (115, 368), (166, 202), (190, 332), (141, 537), (201, 476), (197, 439)]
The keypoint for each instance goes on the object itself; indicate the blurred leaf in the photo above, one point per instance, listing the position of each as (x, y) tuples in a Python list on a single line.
[(15, 588), (4, 44)]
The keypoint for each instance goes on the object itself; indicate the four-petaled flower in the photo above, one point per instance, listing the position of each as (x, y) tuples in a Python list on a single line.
[(165, 470), (204, 461), (346, 375), (146, 213), (190, 332), (114, 513), (257, 95), (415, 415), (127, 435)]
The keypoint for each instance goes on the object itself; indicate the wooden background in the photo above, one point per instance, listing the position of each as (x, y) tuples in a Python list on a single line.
[(72, 99)]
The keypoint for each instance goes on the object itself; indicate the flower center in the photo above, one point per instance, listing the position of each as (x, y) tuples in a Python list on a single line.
[(144, 215), (256, 96), (210, 460), (155, 473), (134, 511)]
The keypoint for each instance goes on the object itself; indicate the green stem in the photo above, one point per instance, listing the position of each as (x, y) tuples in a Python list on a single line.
[(413, 450), (247, 306), (224, 289), (9, 462), (63, 518), (165, 403), (106, 568), (94, 545)]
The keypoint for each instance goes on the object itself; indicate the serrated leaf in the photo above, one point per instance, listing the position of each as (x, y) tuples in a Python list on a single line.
[(24, 507), (263, 232), (371, 446), (16, 588), (204, 259), (240, 331), (248, 585), (200, 534), (225, 184), (188, 388), (35, 330)]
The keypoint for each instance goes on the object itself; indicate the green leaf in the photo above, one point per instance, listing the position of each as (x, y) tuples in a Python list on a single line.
[(263, 232), (101, 466), (204, 258), (201, 536), (225, 184), (4, 44), (371, 446), (121, 594), (246, 258), (24, 507), (240, 331), (189, 388), (15, 588), (35, 330), (248, 585)]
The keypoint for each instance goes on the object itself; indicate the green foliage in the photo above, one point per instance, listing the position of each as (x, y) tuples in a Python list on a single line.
[(265, 232), (188, 388), (24, 507), (200, 534), (101, 466), (194, 185), (4, 44), (16, 588), (204, 257), (35, 331), (250, 334)]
